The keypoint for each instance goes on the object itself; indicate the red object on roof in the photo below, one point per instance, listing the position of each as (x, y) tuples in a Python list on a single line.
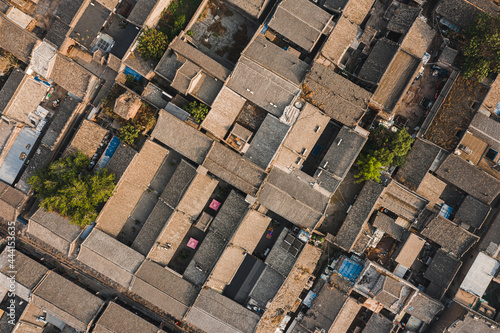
[(193, 243), (215, 205)]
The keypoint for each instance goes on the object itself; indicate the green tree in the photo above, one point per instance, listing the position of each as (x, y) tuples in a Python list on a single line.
[(198, 110), (69, 189), (129, 133), (369, 168), (152, 44), (482, 47), (400, 145)]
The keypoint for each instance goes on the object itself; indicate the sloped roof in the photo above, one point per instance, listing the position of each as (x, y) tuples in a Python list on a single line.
[(178, 183), (141, 11), (442, 269), (403, 18), (25, 100), (419, 38), (11, 200), (472, 212), (10, 87), (213, 312), (115, 319), (28, 271), (252, 7), (450, 236), (110, 257), (357, 10), (70, 75), (267, 286), (487, 129), (234, 169), (16, 40), (402, 202), (469, 178), (67, 10), (342, 36), (300, 21), (462, 13), (120, 160), (378, 60), (59, 122), (378, 324), (410, 250), (388, 225), (181, 137), (87, 139), (72, 304), (57, 31), (423, 307)]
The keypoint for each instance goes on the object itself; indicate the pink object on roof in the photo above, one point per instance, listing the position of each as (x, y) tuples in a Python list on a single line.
[(215, 205), (193, 243)]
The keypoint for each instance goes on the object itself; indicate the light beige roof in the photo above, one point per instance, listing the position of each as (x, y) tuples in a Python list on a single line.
[(346, 316), (197, 195), (173, 233), (291, 288), (410, 251), (116, 319), (87, 139), (356, 10), (250, 231), (418, 38), (27, 97), (226, 267), (340, 39), (225, 109), (493, 97)]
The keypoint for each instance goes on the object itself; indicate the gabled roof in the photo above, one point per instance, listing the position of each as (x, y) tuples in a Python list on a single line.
[(87, 139), (109, 4), (110, 257), (358, 215), (141, 11), (378, 324), (53, 229), (10, 87), (300, 21), (213, 312), (487, 129), (388, 225), (267, 286), (67, 10), (163, 288), (181, 137), (469, 178), (410, 251), (403, 18), (229, 215), (442, 271), (462, 13), (70, 75), (252, 7), (16, 40), (418, 162), (70, 303), (472, 212), (338, 97), (357, 10), (292, 198), (234, 169), (59, 122), (423, 307), (28, 271), (266, 141), (115, 319), (419, 38), (402, 202), (89, 24), (378, 60), (11, 200), (25, 100), (178, 184), (120, 160), (451, 237), (341, 38)]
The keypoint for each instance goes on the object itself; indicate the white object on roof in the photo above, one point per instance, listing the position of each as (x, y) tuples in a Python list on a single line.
[(480, 275), (19, 18)]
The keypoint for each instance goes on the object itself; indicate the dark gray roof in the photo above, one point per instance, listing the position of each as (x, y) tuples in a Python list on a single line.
[(152, 227), (280, 258), (418, 163), (90, 23), (378, 324), (120, 160), (67, 10), (423, 307), (57, 31), (462, 13), (70, 75), (442, 270), (126, 38), (487, 129), (115, 319), (58, 122), (469, 178), (292, 198), (38, 161), (341, 155), (181, 137), (153, 95), (358, 215), (339, 98), (262, 86), (234, 169), (388, 225), (28, 271), (213, 312), (378, 60), (300, 21), (276, 59), (267, 286), (403, 18), (325, 308), (178, 184), (10, 87), (472, 212), (252, 7), (266, 141), (16, 40), (67, 301), (229, 215), (141, 11), (163, 288), (451, 237), (4, 6)]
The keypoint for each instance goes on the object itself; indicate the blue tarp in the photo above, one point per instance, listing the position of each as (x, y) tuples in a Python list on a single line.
[(350, 269), (130, 71), (108, 153)]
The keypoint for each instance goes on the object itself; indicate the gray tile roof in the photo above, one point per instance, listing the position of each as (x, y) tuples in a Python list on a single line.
[(229, 215), (388, 225), (115, 319), (89, 24), (469, 178), (28, 271), (10, 87), (358, 215), (70, 75), (423, 307), (292, 198), (279, 258), (58, 122), (266, 141), (451, 237), (38, 161), (72, 304), (462, 13), (418, 163), (181, 137), (153, 95), (472, 212), (234, 169), (378, 60), (110, 257), (403, 18), (67, 10), (300, 21), (267, 286), (442, 270), (487, 129), (378, 324), (213, 312), (120, 160), (402, 202), (252, 7), (335, 95), (141, 11), (178, 184), (16, 40)]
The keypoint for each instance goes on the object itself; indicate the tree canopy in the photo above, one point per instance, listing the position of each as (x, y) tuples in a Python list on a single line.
[(383, 149), (482, 47), (198, 110), (152, 44), (129, 133), (69, 189)]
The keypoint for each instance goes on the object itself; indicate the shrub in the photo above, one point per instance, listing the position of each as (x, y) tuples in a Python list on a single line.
[(129, 133), (152, 44), (198, 110)]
